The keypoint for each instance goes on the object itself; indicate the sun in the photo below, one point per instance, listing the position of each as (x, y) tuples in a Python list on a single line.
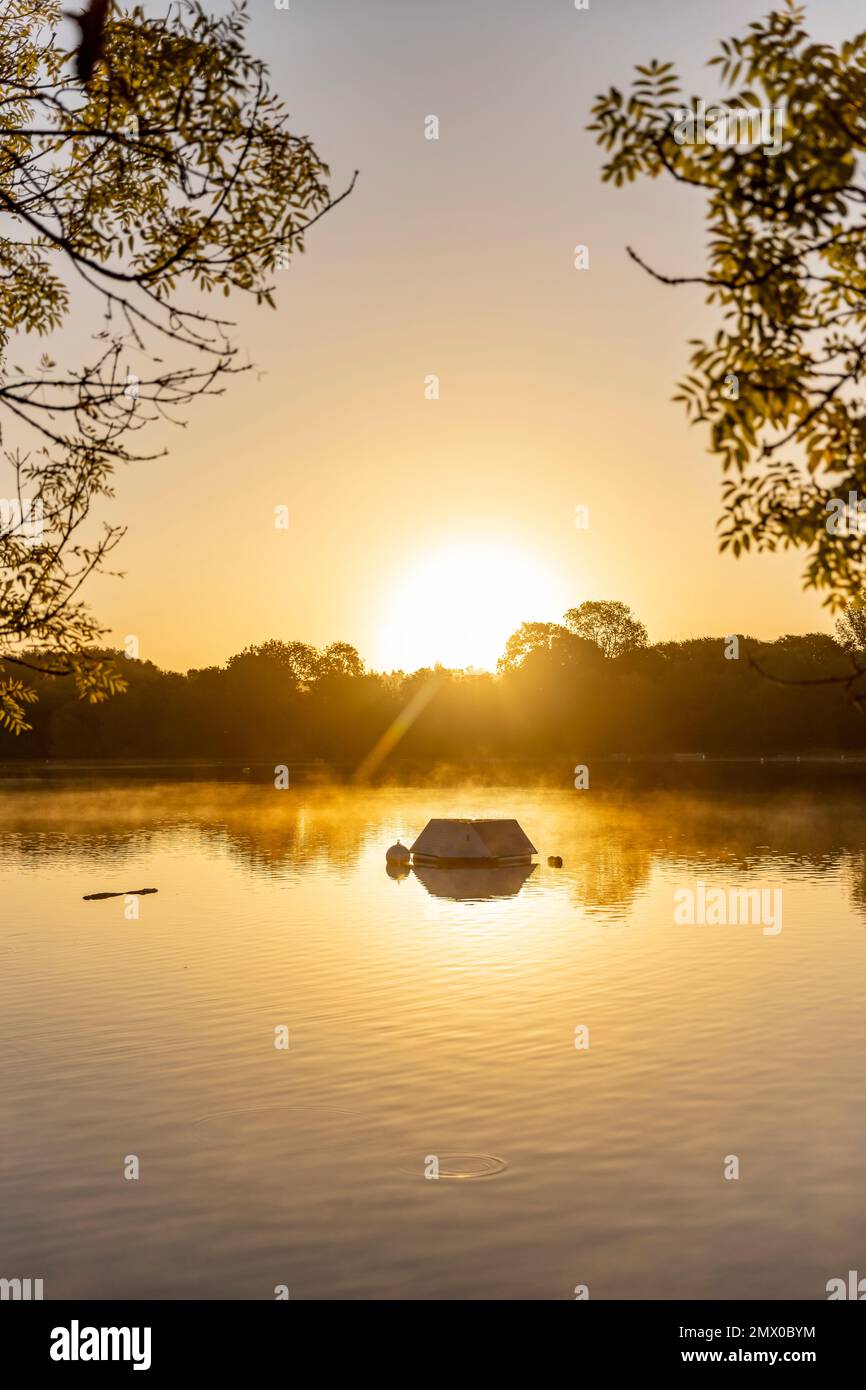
[(459, 604)]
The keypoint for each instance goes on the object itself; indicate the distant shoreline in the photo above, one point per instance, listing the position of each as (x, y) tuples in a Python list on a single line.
[(605, 772)]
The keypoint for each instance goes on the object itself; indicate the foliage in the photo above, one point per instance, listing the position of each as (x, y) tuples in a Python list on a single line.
[(609, 624), (562, 703), (780, 386), (169, 177), (851, 627), (529, 637)]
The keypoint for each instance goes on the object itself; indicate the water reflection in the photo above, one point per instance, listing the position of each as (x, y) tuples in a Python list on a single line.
[(473, 882), (610, 843), (434, 1015)]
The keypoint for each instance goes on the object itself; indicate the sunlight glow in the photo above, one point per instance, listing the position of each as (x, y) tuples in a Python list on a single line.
[(459, 605)]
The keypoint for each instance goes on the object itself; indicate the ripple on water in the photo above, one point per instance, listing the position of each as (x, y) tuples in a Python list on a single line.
[(461, 1167)]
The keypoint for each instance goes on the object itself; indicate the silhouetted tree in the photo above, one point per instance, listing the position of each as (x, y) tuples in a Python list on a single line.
[(563, 702), (609, 624), (529, 637), (298, 659), (341, 659)]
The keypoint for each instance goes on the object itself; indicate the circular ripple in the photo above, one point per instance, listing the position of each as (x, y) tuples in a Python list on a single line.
[(463, 1167)]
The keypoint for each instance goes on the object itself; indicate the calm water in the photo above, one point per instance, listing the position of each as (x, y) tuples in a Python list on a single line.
[(426, 1023)]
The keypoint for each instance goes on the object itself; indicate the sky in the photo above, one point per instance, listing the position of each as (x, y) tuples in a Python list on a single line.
[(423, 530)]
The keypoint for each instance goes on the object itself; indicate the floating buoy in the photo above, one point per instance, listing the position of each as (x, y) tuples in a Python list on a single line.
[(555, 861), (397, 854)]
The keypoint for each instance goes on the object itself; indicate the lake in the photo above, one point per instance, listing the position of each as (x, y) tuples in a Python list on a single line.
[(583, 1068)]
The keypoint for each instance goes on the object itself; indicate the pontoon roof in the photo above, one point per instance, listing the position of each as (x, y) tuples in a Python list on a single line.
[(473, 839)]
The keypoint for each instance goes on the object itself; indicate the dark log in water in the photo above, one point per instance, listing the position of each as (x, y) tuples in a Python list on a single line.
[(128, 893)]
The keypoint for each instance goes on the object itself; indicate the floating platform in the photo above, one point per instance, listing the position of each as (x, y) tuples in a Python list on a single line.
[(471, 842)]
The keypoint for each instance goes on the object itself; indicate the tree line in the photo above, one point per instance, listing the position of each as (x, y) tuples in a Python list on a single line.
[(591, 686)]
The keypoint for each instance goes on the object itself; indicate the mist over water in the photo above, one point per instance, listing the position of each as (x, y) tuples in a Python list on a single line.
[(425, 1021)]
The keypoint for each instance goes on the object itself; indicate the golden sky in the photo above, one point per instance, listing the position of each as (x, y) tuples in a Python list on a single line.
[(455, 258)]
